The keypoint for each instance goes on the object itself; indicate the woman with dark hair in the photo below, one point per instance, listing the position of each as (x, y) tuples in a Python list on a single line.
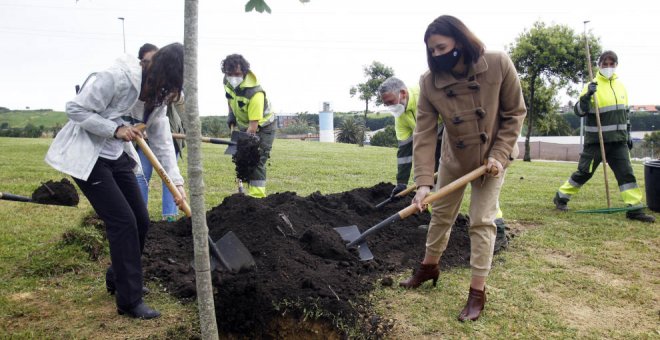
[(95, 148), (478, 95)]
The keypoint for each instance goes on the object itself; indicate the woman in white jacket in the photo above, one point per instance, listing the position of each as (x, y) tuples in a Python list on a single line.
[(95, 148)]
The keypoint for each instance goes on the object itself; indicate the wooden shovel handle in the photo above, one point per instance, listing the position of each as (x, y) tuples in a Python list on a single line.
[(205, 139), (412, 187), (163, 175), (446, 190)]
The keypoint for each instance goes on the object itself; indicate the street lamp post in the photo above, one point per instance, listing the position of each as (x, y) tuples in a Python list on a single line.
[(123, 32)]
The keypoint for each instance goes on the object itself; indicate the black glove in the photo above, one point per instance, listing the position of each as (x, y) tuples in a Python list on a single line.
[(630, 144), (231, 120), (591, 89), (397, 189)]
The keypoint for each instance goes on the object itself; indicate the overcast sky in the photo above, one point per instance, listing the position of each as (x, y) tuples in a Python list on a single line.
[(303, 54)]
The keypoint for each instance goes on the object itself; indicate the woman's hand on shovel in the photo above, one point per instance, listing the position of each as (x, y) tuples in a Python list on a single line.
[(128, 133), (422, 192), (182, 199), (494, 168)]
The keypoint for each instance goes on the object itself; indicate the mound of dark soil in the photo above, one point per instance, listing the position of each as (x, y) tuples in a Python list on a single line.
[(303, 267), (56, 193)]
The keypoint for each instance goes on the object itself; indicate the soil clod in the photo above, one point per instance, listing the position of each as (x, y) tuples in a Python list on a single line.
[(56, 193)]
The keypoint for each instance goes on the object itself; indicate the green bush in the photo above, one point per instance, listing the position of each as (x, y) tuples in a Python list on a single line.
[(386, 137), (298, 127), (351, 131)]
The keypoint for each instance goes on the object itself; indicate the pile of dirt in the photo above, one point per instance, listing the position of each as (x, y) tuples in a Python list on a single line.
[(303, 268), (56, 193)]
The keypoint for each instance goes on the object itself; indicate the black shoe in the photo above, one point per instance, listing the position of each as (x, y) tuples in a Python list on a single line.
[(141, 311), (501, 242), (559, 203), (639, 215), (111, 289)]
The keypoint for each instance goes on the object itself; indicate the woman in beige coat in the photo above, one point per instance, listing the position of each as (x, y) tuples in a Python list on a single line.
[(478, 95)]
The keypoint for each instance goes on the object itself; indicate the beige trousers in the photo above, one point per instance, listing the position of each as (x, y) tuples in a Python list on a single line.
[(483, 210)]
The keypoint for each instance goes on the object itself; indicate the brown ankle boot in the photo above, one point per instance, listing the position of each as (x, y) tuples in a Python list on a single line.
[(474, 306), (424, 273)]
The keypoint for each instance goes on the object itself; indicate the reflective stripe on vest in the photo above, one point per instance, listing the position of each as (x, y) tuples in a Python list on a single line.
[(607, 128)]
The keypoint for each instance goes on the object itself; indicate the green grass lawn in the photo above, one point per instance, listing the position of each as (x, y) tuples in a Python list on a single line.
[(565, 275), (20, 118)]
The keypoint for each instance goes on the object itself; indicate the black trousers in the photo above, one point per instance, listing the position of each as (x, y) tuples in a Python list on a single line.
[(113, 191)]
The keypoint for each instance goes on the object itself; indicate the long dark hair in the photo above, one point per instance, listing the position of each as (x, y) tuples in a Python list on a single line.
[(164, 76), (471, 47)]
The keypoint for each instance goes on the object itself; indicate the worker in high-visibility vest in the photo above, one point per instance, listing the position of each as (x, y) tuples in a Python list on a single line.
[(612, 99), (249, 110)]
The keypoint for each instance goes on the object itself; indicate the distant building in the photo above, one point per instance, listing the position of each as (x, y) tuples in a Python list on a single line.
[(644, 108), (285, 119)]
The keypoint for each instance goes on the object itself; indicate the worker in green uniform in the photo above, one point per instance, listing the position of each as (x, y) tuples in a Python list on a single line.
[(612, 100), (249, 110), (401, 102)]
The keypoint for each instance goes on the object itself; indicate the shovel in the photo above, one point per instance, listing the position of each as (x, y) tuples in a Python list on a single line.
[(229, 251), (352, 234), (11, 197), (236, 135), (403, 193), (37, 197), (205, 139)]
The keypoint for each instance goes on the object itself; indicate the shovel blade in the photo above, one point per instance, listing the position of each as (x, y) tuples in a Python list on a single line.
[(350, 234), (213, 263), (364, 251), (231, 149), (233, 253)]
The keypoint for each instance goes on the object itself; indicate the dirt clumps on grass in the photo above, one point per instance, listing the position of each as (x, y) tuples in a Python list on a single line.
[(56, 193), (303, 268)]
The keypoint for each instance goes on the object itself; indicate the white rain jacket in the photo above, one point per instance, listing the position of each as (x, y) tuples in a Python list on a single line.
[(113, 93)]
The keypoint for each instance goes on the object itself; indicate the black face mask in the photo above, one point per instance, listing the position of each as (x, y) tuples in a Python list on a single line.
[(445, 62)]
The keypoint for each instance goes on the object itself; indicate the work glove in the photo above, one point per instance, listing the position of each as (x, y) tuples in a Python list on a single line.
[(630, 143), (591, 89), (397, 189), (231, 120)]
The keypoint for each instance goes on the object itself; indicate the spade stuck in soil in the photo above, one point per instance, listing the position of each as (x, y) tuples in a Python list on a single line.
[(49, 193)]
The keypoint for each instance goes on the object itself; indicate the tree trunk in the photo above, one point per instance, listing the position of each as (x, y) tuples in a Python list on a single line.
[(206, 307), (530, 121)]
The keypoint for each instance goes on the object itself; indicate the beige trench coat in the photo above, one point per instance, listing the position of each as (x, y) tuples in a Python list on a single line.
[(483, 114)]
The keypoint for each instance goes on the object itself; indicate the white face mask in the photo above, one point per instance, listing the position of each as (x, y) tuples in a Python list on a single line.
[(608, 72), (234, 81), (397, 109)]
